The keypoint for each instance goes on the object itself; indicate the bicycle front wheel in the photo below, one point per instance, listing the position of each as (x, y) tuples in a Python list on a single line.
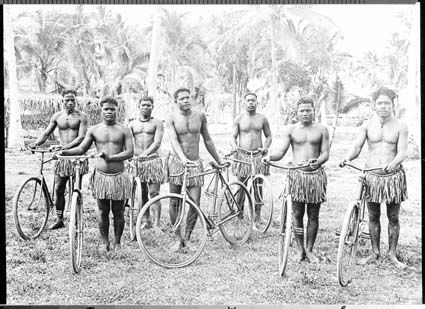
[(235, 213), (347, 247), (262, 197), (173, 243), (285, 234), (31, 208), (76, 231), (135, 203)]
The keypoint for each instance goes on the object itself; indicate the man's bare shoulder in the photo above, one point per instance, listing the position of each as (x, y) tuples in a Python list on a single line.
[(122, 127), (401, 125), (57, 115), (82, 114), (157, 122), (321, 127)]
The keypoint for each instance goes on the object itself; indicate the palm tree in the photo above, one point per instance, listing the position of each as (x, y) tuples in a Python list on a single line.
[(15, 138), (41, 44)]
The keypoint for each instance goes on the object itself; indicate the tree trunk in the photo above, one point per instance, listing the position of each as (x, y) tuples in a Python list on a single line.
[(275, 103), (234, 91), (15, 138), (154, 54)]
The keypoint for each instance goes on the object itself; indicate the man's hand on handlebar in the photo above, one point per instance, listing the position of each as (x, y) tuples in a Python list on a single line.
[(342, 164), (266, 159)]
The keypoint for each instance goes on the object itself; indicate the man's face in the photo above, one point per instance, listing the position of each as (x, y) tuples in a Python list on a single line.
[(69, 101), (146, 108), (109, 112), (305, 113), (250, 103), (183, 101), (383, 106)]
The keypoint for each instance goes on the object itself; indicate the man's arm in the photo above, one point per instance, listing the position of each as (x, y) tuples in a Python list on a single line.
[(235, 133), (128, 151), (268, 134), (159, 133), (358, 144), (82, 148), (81, 133), (209, 144), (49, 130), (174, 141), (286, 142), (401, 149), (324, 150)]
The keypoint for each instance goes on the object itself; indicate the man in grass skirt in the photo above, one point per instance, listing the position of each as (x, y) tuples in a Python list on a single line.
[(387, 140), (310, 144), (185, 128), (248, 127), (110, 183), (147, 135), (72, 127)]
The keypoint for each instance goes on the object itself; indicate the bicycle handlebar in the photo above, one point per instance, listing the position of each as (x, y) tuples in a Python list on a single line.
[(97, 155), (288, 167), (362, 169)]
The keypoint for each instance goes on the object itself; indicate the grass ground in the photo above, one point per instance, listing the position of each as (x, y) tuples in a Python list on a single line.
[(39, 272)]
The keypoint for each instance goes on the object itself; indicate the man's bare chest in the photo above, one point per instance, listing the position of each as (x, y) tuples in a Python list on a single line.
[(312, 137), (144, 128), (187, 125), (66, 122), (249, 125), (107, 135), (377, 135)]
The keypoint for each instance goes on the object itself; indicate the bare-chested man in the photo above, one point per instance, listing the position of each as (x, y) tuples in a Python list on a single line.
[(248, 126), (147, 134), (72, 126), (185, 128), (387, 141), (110, 183), (310, 144)]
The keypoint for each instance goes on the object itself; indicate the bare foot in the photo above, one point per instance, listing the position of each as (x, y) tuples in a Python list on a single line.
[(146, 224), (117, 247), (396, 262), (178, 246), (370, 259), (104, 248), (300, 256), (157, 230), (312, 258)]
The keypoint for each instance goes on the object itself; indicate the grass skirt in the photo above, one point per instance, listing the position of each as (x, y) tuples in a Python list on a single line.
[(115, 187), (150, 170), (308, 187), (389, 188), (244, 170), (175, 166), (66, 167)]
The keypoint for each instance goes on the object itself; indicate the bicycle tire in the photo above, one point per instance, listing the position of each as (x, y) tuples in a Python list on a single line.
[(285, 234), (263, 200), (232, 216), (158, 246), (76, 231), (69, 190), (347, 247), (31, 208), (135, 204)]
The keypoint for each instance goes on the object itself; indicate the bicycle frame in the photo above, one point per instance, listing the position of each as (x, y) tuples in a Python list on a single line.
[(211, 224)]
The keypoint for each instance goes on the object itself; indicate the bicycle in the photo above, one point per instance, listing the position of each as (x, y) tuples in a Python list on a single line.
[(134, 204), (33, 201), (353, 221), (285, 227), (232, 214), (260, 191), (76, 214)]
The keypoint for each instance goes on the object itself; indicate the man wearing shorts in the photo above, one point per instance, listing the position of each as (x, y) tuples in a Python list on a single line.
[(110, 183), (72, 127), (310, 144), (147, 135), (387, 140), (185, 128), (248, 126)]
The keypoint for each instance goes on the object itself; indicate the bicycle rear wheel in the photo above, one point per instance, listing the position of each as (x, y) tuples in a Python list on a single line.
[(31, 208), (134, 206), (262, 197), (285, 234), (347, 247), (163, 244), (235, 213), (76, 231)]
